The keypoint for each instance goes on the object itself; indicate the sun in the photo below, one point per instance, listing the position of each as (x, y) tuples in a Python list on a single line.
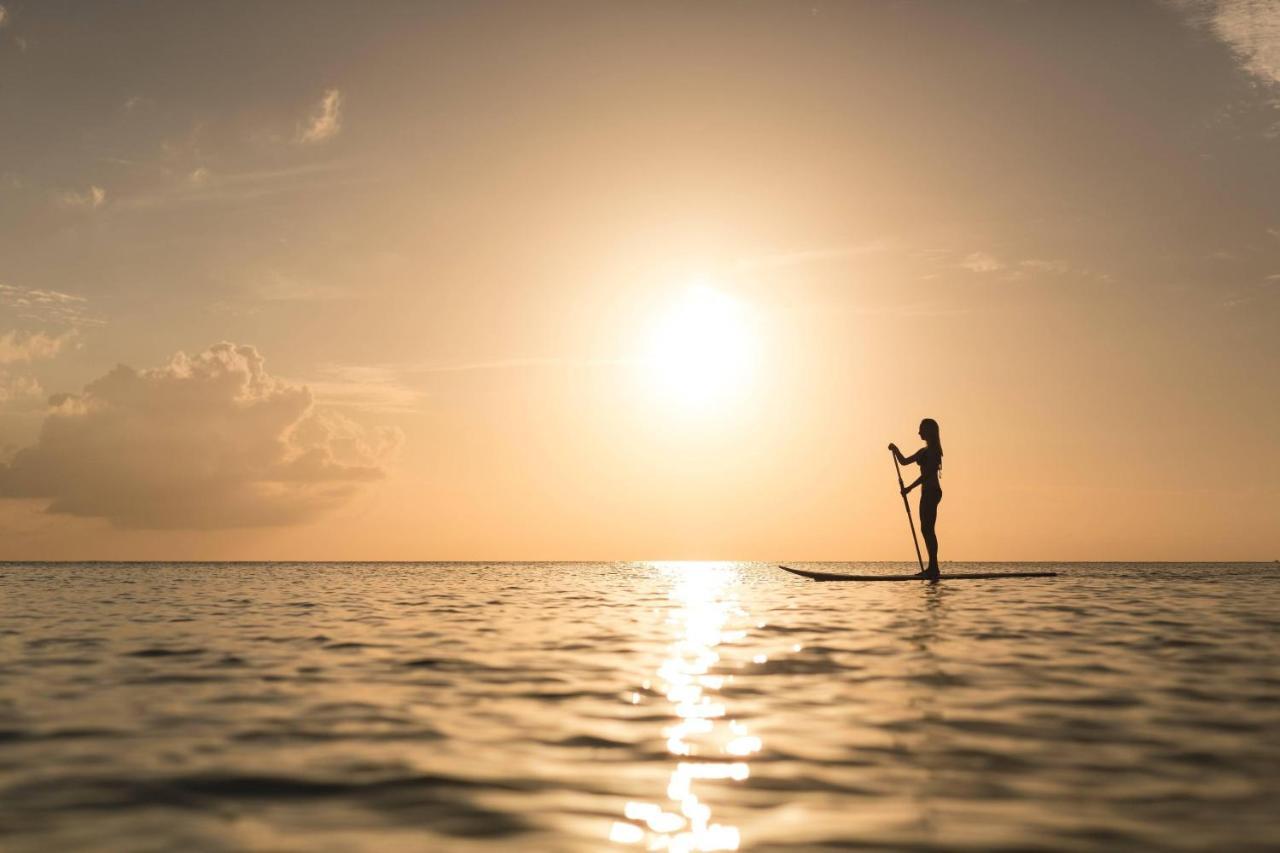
[(701, 352)]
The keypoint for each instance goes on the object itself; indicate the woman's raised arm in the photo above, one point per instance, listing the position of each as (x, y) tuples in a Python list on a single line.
[(905, 460)]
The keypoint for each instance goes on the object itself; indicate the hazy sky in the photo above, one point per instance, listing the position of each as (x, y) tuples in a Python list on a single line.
[(638, 280)]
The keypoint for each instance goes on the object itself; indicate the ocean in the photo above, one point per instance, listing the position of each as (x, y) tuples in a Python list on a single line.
[(636, 706)]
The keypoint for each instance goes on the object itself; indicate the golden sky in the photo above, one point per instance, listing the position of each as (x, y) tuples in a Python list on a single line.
[(638, 280)]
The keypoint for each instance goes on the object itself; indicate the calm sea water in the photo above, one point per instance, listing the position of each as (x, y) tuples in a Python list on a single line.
[(332, 707)]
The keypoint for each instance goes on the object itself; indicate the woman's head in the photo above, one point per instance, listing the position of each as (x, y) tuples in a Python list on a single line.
[(929, 432)]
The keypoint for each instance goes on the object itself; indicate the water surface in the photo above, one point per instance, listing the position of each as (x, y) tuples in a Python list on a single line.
[(334, 707)]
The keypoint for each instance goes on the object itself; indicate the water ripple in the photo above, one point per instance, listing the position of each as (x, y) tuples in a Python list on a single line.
[(633, 705)]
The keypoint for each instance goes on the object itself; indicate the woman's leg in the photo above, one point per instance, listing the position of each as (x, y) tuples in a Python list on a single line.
[(928, 518)]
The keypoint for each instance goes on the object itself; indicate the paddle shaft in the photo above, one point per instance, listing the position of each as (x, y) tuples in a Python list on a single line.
[(907, 506)]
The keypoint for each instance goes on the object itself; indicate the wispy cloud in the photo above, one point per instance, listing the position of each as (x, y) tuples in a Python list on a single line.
[(936, 262), (985, 263), (135, 103), (89, 199), (517, 363), (325, 121), (45, 307), (1057, 267), (371, 388), (777, 260), (275, 286), (397, 387), (202, 185), (981, 262), (1251, 28)]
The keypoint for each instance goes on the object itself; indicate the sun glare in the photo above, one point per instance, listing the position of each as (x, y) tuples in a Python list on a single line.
[(702, 352)]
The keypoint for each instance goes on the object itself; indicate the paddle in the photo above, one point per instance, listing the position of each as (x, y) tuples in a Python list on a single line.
[(906, 505)]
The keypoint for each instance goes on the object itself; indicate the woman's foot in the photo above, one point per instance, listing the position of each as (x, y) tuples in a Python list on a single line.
[(931, 572)]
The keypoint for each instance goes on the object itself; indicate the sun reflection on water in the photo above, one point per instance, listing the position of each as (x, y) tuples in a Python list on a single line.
[(709, 744)]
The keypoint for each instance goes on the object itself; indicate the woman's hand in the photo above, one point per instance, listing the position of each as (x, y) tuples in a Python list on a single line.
[(906, 490), (893, 448)]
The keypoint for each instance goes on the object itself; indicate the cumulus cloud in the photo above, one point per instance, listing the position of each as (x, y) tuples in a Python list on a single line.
[(18, 388), (31, 346), (205, 441), (325, 121), (20, 348)]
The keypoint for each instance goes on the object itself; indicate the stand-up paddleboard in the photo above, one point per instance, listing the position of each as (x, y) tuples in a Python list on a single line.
[(946, 576)]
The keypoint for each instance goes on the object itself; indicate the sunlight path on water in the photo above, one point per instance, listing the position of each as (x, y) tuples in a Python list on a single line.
[(704, 739)]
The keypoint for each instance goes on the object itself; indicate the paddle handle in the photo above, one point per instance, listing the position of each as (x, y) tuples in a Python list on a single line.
[(907, 506)]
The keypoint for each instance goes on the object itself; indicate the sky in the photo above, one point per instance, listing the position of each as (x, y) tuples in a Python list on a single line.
[(660, 280)]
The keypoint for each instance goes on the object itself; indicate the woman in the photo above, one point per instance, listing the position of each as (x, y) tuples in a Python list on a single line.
[(929, 458)]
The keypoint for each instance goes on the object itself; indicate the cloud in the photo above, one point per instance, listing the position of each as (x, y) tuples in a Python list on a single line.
[(135, 103), (1057, 267), (206, 441), (778, 260), (981, 262), (1026, 268), (202, 185), (18, 388), (325, 121), (4, 17), (371, 388), (32, 346), (1251, 28), (275, 286), (20, 348), (91, 199), (45, 307), (392, 387), (517, 363)]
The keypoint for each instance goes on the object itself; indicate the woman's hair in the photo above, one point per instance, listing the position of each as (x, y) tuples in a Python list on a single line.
[(929, 429)]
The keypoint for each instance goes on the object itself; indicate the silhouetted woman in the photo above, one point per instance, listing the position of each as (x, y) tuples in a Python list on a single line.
[(929, 458)]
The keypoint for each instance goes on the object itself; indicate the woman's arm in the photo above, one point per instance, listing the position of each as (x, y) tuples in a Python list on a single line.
[(906, 489), (905, 460)]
